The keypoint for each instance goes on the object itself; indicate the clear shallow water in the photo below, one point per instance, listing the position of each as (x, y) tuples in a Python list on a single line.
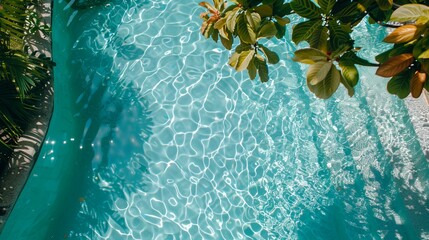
[(155, 137)]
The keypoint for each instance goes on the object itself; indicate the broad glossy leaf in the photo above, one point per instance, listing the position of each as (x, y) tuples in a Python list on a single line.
[(282, 21), (231, 20), (403, 34), (424, 67), (253, 20), (350, 89), (268, 30), (223, 32), (215, 35), (306, 8), (227, 42), (220, 23), (417, 83), (385, 4), (384, 56), (348, 10), (264, 10), (281, 30), (281, 9), (243, 47), (395, 65), (339, 35), (244, 59), (422, 20), (251, 69), (319, 39), (245, 32), (325, 88), (400, 49), (263, 71), (272, 57), (354, 59), (209, 30), (400, 84), (349, 72), (310, 56), (302, 31), (409, 12), (317, 72), (424, 55), (233, 60), (326, 5), (340, 51)]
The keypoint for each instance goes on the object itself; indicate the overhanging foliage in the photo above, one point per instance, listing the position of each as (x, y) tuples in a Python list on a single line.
[(327, 26)]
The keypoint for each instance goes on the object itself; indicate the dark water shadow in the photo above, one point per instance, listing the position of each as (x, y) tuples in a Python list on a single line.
[(112, 125)]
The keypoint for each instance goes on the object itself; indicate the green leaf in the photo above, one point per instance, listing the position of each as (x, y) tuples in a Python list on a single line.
[(306, 8), (409, 12), (245, 32), (319, 39), (310, 56), (281, 30), (340, 51), (231, 20), (282, 10), (251, 69), (339, 35), (215, 35), (243, 47), (302, 31), (244, 59), (385, 4), (351, 57), (263, 70), (268, 30), (227, 42), (272, 57), (220, 23), (253, 20), (233, 60), (400, 84), (282, 21), (317, 72), (349, 72), (326, 5), (424, 55), (325, 88), (348, 10), (350, 89), (395, 51), (264, 11)]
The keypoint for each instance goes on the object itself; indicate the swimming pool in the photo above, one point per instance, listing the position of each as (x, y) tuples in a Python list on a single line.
[(154, 137)]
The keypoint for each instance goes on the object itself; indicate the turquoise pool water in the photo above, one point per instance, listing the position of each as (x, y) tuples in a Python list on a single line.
[(155, 137)]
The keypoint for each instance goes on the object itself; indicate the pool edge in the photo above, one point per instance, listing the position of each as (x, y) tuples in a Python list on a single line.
[(24, 156)]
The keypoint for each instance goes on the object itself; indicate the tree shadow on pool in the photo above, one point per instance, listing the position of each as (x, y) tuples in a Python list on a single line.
[(113, 124)]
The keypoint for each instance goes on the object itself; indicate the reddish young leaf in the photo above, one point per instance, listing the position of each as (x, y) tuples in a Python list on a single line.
[(395, 65), (403, 34), (417, 83)]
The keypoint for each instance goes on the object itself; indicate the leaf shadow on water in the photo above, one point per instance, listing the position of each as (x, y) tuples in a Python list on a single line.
[(112, 125)]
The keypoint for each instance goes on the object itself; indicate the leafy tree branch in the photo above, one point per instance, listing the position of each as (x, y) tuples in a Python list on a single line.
[(327, 26)]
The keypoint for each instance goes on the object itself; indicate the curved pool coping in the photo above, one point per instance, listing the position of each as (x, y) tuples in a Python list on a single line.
[(24, 156)]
